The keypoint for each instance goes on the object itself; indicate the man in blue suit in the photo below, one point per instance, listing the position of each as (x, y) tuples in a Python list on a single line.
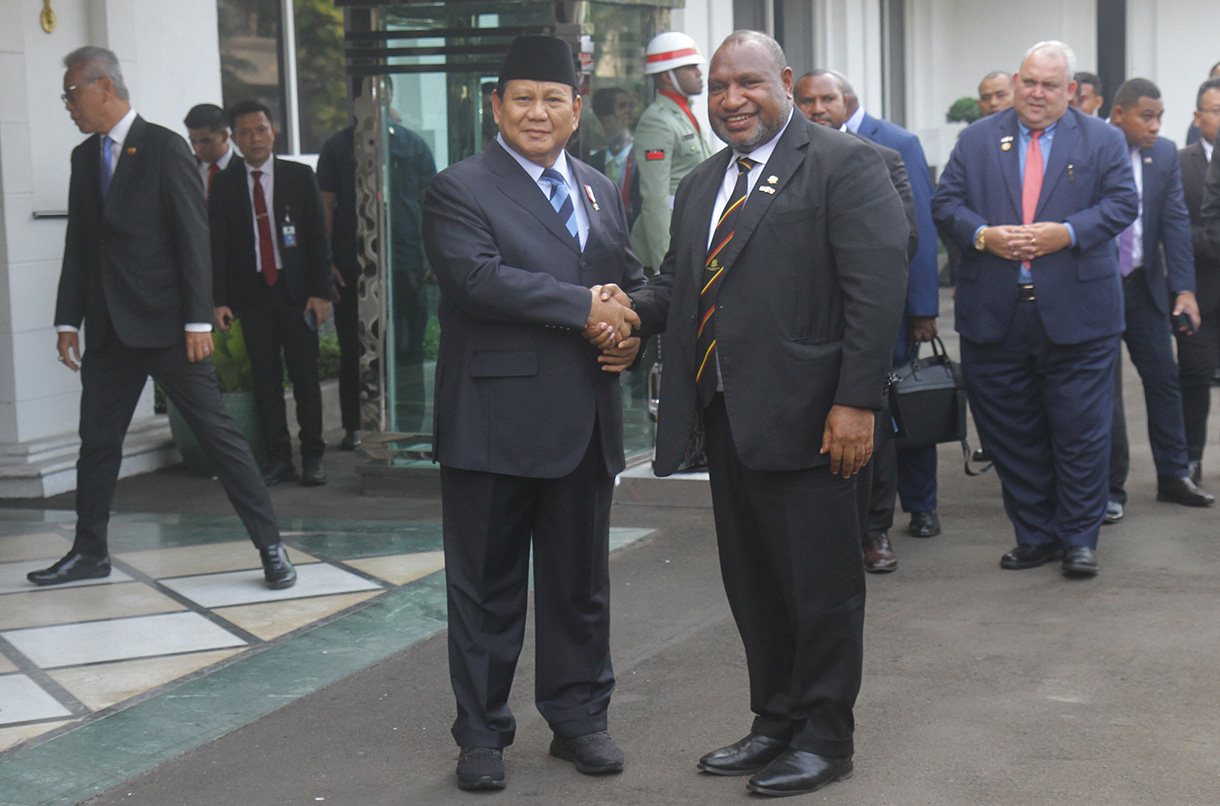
[(1163, 223), (913, 473), (1034, 197)]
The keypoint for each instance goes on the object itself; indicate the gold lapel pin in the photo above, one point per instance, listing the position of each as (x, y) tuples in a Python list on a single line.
[(131, 150), (772, 179), (766, 189), (1147, 160), (1006, 142)]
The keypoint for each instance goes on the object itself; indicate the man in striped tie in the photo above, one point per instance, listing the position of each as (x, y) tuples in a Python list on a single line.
[(528, 424), (779, 297)]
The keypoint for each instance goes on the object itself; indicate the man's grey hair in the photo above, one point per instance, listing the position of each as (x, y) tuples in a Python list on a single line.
[(745, 35), (1059, 49), (99, 62)]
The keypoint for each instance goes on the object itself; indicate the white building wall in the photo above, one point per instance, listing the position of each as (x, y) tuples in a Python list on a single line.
[(1176, 46), (170, 58), (951, 44)]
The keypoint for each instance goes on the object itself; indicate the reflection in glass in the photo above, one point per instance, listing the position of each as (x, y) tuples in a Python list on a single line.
[(445, 60)]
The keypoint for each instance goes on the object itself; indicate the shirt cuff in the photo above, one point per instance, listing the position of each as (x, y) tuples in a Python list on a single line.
[(198, 327), (1071, 231), (67, 329)]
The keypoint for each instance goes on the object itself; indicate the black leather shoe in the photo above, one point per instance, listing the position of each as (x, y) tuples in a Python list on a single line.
[(1195, 467), (593, 753), (480, 768), (1080, 561), (798, 772), (279, 471), (924, 524), (71, 568), (312, 473), (744, 757), (351, 441), (277, 569), (1030, 555), (1114, 512), (1183, 491)]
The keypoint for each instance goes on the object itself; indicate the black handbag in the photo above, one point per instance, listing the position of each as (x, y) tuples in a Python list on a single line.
[(927, 401)]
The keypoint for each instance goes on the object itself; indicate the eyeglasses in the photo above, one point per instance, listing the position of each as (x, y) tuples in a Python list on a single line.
[(70, 91)]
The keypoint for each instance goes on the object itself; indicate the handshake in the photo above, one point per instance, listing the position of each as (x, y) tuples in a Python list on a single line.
[(608, 328)]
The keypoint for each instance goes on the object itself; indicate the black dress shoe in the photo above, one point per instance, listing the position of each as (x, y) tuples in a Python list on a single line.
[(350, 441), (1030, 555), (1080, 561), (1114, 512), (798, 772), (71, 568), (924, 524), (1183, 491), (1195, 466), (480, 768), (593, 753), (277, 569), (745, 757), (279, 471), (312, 473)]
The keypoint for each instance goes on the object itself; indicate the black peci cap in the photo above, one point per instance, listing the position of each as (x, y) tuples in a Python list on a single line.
[(539, 58)]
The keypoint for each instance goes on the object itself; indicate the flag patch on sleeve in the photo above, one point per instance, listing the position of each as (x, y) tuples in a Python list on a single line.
[(656, 154)]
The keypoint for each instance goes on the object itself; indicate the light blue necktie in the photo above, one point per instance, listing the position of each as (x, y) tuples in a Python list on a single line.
[(561, 200), (107, 170)]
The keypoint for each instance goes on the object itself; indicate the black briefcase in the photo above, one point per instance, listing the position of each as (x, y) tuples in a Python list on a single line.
[(927, 398)]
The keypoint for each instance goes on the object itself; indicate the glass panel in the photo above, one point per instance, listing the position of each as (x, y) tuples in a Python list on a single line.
[(250, 56), (321, 82), (439, 112)]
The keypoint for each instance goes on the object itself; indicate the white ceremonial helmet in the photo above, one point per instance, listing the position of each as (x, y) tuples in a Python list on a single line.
[(669, 50)]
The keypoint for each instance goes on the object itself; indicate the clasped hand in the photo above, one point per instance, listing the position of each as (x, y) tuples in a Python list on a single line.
[(609, 327), (1027, 241)]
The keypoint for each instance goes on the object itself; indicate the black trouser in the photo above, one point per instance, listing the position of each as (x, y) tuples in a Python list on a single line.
[(790, 557), (490, 522), (111, 382), (1198, 356), (270, 324)]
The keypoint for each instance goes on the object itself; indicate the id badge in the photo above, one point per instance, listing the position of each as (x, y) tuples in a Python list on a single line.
[(290, 235)]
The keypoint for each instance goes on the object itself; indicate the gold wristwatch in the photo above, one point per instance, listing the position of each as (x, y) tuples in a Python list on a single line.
[(980, 240)]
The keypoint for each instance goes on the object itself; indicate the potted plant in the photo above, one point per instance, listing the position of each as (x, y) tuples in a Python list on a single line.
[(236, 377), (964, 110)]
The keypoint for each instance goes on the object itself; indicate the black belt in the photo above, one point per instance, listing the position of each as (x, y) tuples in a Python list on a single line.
[(1025, 293)]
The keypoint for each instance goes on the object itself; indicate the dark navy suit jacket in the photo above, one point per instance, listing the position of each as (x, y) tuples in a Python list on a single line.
[(1166, 224), (1087, 183), (1207, 256), (923, 280), (518, 390)]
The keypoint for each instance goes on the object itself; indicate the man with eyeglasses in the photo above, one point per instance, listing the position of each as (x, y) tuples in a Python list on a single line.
[(137, 269)]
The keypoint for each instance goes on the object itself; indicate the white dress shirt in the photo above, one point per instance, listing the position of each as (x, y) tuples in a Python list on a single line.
[(205, 167)]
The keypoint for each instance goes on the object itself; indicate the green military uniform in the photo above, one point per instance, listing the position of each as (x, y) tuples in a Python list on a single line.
[(667, 148)]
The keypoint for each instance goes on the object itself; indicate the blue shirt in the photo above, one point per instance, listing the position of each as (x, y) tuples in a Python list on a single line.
[(1045, 143)]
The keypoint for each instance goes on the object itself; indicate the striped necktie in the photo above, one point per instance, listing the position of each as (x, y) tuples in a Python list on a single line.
[(561, 200), (705, 336)]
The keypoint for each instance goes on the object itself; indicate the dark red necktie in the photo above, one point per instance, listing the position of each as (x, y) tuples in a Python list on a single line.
[(213, 169), (266, 248)]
